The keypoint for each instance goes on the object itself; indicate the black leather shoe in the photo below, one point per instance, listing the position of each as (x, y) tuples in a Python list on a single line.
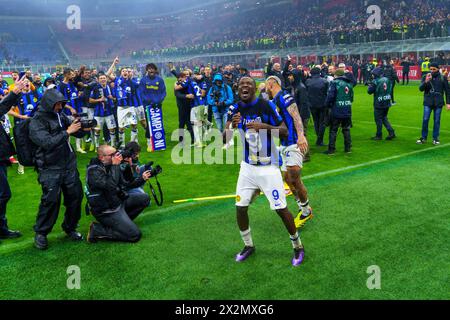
[(10, 234), (329, 152), (40, 241), (376, 138), (391, 137), (75, 236)]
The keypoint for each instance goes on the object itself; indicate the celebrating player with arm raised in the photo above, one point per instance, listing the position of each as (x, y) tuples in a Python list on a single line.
[(257, 120)]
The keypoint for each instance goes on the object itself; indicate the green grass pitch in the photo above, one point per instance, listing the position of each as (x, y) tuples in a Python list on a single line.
[(391, 213)]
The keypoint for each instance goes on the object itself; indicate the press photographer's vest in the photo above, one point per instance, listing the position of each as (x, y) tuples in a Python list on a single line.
[(383, 92), (344, 99)]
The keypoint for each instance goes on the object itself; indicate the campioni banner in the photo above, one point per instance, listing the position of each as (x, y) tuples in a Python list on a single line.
[(156, 127)]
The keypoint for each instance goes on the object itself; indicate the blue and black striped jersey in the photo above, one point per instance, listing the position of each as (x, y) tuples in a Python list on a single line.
[(283, 100)]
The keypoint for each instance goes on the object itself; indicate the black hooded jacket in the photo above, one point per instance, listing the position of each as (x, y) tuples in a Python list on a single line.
[(48, 132), (317, 91), (6, 146), (390, 73)]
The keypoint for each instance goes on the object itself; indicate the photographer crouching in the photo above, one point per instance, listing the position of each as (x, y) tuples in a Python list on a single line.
[(109, 200)]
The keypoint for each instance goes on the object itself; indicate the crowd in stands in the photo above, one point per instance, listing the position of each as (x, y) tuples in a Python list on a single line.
[(321, 23)]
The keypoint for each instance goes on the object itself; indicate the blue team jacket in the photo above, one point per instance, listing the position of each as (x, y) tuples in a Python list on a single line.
[(152, 91)]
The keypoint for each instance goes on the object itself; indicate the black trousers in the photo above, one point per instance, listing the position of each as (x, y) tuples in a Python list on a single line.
[(406, 76), (381, 119), (210, 114), (54, 183), (319, 116), (392, 92), (5, 195), (345, 124), (184, 119), (119, 225)]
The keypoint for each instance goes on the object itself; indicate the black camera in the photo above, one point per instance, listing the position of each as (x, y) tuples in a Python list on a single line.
[(126, 153), (154, 171), (216, 95), (85, 124)]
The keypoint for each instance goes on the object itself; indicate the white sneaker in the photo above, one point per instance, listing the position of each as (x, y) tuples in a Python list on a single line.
[(20, 169), (226, 146), (436, 142), (79, 150)]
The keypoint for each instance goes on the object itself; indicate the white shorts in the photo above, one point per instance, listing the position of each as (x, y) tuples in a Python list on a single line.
[(7, 124), (109, 120), (260, 178), (126, 116), (198, 113), (89, 111), (291, 157), (140, 113)]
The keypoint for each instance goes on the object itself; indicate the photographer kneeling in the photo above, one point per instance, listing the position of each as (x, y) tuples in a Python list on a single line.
[(110, 204)]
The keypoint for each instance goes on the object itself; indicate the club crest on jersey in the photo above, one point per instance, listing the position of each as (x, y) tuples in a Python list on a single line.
[(384, 86), (347, 90)]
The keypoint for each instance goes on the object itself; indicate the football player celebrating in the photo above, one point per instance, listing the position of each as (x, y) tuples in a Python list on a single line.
[(126, 112), (293, 147), (257, 120), (74, 100), (137, 102), (101, 97)]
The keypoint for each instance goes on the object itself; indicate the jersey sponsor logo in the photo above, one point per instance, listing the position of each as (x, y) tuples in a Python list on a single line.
[(246, 121)]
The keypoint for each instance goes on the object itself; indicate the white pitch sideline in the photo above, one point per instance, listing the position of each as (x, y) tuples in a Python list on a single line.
[(28, 243)]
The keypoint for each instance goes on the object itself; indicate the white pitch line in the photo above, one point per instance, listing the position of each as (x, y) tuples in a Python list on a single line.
[(28, 242), (365, 164), (400, 126)]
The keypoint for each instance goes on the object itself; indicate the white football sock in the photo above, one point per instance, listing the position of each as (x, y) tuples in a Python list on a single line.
[(296, 242), (247, 237)]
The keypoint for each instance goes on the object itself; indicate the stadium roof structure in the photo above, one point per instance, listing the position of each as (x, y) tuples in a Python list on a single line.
[(101, 10)]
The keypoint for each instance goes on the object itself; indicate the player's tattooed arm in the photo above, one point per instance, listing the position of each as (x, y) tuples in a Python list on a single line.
[(302, 143)]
